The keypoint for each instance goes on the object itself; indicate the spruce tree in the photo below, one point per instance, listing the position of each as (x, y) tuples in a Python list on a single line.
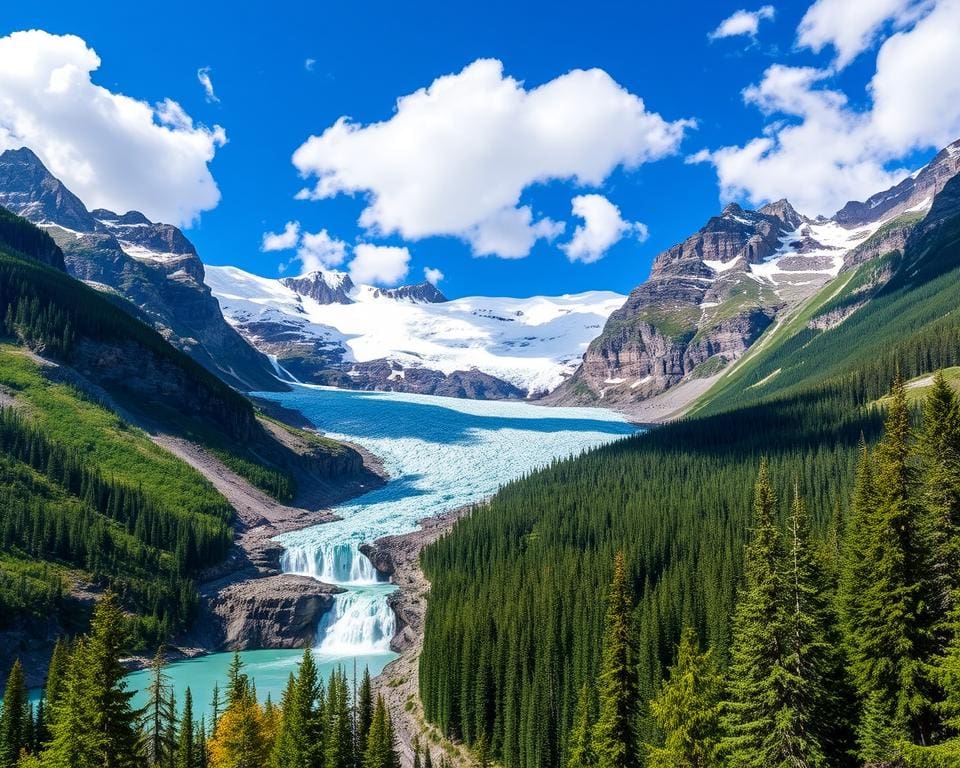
[(15, 719), (380, 751), (94, 725), (158, 715), (614, 735), (55, 673), (364, 710), (885, 624), (338, 732), (687, 710), (758, 665), (580, 747), (186, 745)]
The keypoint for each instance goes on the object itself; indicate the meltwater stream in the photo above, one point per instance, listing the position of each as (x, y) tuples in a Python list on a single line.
[(440, 453)]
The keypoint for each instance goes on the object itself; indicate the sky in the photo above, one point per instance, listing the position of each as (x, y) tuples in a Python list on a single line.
[(492, 148)]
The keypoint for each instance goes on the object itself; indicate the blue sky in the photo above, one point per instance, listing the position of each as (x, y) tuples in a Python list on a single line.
[(363, 56)]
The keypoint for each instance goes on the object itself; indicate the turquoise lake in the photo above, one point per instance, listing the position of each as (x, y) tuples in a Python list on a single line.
[(440, 453)]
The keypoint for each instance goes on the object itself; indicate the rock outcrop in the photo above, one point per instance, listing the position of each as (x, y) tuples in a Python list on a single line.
[(281, 611)]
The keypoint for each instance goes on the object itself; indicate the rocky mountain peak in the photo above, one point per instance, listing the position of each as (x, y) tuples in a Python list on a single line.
[(324, 287), (28, 189), (781, 209), (914, 193), (421, 293)]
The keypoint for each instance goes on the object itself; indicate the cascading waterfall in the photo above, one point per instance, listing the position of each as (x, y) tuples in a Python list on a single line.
[(361, 620), (341, 564)]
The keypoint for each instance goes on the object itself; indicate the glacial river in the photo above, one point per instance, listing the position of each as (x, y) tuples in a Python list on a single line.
[(440, 453)]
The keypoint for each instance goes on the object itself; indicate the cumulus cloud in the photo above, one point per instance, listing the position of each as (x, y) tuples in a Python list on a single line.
[(853, 27), (112, 150), (743, 22), (203, 75), (602, 227), (432, 276), (379, 264), (282, 241), (819, 151), (309, 64), (318, 250), (455, 157)]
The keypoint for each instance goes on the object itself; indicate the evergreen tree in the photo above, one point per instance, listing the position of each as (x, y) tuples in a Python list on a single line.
[(757, 706), (427, 758), (380, 751), (614, 736), (186, 745), (94, 725), (885, 625), (15, 719), (215, 708), (158, 715), (687, 710), (55, 673), (364, 710), (338, 742), (580, 748), (238, 684)]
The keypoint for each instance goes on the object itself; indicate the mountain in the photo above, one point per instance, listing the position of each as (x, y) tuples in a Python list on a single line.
[(154, 266), (709, 298), (323, 329)]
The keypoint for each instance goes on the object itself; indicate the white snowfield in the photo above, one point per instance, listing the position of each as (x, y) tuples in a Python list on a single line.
[(533, 343)]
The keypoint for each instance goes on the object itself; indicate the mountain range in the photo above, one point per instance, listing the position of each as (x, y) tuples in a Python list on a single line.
[(707, 300)]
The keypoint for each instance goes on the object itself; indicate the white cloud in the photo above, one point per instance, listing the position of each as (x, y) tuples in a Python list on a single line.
[(282, 241), (112, 150), (320, 251), (203, 75), (432, 276), (309, 64), (743, 22), (602, 227), (379, 264), (455, 157), (853, 27), (819, 151)]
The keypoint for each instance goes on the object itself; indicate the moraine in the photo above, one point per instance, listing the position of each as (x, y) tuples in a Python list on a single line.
[(440, 453)]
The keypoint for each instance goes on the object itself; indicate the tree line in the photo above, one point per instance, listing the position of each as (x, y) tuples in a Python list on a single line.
[(840, 656), (85, 718)]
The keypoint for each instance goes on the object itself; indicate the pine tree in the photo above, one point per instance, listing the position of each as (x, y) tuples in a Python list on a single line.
[(338, 741), (758, 666), (364, 710), (580, 749), (884, 623), (427, 758), (380, 751), (94, 725), (215, 708), (687, 710), (614, 737), (186, 745), (15, 719), (238, 684), (55, 673), (158, 715)]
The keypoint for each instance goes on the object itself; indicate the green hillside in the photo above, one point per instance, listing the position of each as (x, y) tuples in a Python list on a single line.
[(517, 606)]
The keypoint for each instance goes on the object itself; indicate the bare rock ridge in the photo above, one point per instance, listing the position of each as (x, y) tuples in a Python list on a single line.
[(153, 266), (710, 297)]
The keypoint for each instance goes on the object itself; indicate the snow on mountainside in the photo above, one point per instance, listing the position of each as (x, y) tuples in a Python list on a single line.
[(411, 338)]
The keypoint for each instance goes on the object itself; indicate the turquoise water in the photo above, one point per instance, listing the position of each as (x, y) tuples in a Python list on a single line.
[(440, 453)]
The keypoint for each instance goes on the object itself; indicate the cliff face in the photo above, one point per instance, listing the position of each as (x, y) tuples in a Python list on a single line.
[(701, 307), (711, 296), (151, 265)]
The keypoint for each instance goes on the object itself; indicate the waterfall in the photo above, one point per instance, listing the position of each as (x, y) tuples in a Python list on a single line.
[(361, 622), (330, 563)]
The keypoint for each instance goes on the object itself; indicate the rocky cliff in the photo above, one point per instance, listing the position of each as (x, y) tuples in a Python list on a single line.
[(151, 265), (711, 296)]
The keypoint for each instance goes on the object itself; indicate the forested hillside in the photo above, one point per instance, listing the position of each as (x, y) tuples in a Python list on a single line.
[(518, 606), (87, 500)]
